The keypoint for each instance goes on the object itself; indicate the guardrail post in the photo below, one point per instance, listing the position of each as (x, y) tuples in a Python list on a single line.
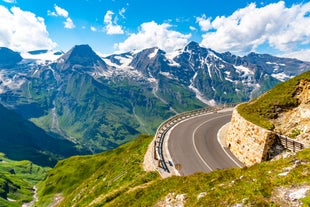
[(155, 154), (293, 146)]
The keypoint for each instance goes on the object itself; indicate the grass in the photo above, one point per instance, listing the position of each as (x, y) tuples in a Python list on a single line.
[(262, 110), (116, 178), (17, 179)]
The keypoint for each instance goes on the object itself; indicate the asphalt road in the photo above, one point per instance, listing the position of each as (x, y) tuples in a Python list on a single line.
[(194, 146)]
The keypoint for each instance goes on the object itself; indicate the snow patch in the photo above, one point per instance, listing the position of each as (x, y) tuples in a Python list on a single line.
[(166, 74), (275, 63), (199, 95), (173, 54), (11, 83), (42, 58), (281, 76), (245, 70), (124, 60), (153, 54)]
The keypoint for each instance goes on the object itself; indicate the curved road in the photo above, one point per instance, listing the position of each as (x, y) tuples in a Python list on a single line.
[(194, 146)]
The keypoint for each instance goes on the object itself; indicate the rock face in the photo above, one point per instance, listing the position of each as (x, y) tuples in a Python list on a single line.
[(295, 123), (248, 142), (252, 144)]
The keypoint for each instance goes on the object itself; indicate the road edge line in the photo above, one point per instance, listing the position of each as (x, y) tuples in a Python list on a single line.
[(218, 139)]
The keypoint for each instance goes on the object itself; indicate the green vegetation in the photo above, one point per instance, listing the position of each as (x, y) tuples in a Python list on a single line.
[(116, 178), (260, 111), (22, 140), (17, 179), (81, 179)]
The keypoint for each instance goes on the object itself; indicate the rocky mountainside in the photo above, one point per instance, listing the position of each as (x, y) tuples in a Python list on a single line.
[(99, 103), (295, 122), (284, 109)]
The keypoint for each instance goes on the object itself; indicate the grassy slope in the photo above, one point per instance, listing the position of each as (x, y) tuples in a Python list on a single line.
[(259, 111), (17, 179), (116, 178)]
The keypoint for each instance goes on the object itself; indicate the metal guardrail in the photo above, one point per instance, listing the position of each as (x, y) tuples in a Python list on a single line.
[(168, 124), (291, 144)]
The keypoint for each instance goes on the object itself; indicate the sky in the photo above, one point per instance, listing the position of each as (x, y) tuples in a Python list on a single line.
[(114, 26)]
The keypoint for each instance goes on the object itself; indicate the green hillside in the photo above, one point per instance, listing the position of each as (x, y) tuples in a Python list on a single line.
[(116, 178), (261, 110), (17, 179), (20, 139)]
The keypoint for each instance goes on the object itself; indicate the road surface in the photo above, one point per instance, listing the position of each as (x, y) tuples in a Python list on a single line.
[(194, 146)]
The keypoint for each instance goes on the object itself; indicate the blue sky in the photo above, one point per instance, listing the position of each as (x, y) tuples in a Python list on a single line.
[(109, 26)]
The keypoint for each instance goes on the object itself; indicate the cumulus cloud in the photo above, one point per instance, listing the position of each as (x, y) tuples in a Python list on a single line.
[(301, 55), (281, 27), (23, 31), (111, 26), (204, 22), (10, 1), (69, 23), (151, 34), (60, 12)]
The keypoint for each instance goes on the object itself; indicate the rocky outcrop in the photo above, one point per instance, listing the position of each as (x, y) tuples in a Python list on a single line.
[(252, 144), (295, 123), (248, 142)]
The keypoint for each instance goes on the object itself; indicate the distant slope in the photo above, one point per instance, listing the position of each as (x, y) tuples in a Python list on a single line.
[(16, 181), (116, 178), (22, 140)]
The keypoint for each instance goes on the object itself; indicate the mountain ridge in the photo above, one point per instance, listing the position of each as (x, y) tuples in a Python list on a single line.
[(99, 103)]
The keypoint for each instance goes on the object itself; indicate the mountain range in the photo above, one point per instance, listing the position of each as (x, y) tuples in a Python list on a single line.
[(98, 103)]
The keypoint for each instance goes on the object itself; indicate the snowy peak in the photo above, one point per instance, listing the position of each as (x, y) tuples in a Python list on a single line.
[(42, 56), (192, 46)]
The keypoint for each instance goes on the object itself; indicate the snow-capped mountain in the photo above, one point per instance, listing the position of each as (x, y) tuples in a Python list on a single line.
[(214, 77), (102, 102)]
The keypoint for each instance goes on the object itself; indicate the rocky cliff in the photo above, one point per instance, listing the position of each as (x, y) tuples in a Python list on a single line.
[(252, 144), (295, 122)]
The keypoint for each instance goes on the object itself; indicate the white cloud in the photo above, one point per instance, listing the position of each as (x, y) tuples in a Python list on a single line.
[(204, 23), (282, 28), (69, 23), (111, 27), (23, 31), (301, 55), (151, 34), (10, 1), (92, 28), (192, 28), (122, 13), (60, 12)]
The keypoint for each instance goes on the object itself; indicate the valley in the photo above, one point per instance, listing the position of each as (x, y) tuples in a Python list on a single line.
[(99, 103), (79, 103)]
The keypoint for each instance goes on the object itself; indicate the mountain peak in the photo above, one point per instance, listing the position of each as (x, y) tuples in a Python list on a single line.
[(191, 46), (82, 55), (8, 57), (81, 51)]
